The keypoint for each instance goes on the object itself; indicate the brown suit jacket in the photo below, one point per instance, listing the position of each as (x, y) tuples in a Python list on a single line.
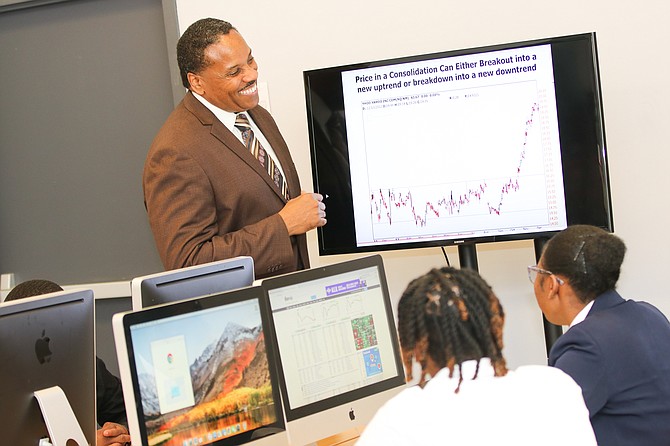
[(208, 198)]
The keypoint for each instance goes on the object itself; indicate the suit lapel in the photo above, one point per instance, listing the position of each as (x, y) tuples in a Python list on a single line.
[(230, 141), (269, 128)]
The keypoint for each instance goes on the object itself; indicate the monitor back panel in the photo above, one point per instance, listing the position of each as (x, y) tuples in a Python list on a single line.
[(46, 341), (192, 281)]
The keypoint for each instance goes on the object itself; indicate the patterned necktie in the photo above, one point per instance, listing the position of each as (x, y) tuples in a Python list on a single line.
[(255, 147)]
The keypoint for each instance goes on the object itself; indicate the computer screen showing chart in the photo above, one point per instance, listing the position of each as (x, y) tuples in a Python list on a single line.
[(337, 346)]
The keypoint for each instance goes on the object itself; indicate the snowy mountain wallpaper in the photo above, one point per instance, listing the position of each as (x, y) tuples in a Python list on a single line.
[(231, 387)]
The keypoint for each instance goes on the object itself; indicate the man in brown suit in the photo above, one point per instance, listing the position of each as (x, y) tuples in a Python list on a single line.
[(207, 196)]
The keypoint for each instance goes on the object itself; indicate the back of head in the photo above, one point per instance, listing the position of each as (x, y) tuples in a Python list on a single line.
[(455, 316), (589, 257), (192, 44), (31, 288)]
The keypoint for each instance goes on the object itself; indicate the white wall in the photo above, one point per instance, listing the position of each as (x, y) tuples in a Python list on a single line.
[(295, 35)]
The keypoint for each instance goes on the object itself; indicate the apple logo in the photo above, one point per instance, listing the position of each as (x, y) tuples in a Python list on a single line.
[(352, 415), (42, 349)]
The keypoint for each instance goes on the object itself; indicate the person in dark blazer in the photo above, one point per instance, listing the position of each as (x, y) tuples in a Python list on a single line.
[(617, 350), (207, 195)]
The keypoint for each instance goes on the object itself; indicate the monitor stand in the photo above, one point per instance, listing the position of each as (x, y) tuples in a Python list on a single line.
[(467, 256), (59, 417)]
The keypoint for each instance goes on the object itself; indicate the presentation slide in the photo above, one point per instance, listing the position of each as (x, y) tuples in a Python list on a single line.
[(458, 146)]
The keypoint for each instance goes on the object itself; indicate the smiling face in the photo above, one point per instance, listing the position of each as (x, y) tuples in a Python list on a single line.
[(230, 80)]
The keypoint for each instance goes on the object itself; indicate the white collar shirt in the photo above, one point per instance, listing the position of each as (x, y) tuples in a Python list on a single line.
[(581, 315), (531, 405), (228, 119)]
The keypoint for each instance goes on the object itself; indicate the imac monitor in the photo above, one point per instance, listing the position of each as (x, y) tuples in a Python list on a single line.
[(46, 341), (495, 143), (200, 372), (335, 334), (192, 281)]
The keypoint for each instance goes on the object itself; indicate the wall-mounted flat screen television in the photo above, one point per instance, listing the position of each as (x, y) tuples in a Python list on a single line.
[(496, 143)]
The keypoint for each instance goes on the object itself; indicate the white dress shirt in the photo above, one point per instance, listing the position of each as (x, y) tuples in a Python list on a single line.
[(228, 119), (534, 405), (582, 314)]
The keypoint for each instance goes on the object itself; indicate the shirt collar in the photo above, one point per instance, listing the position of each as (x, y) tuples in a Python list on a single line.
[(226, 118), (582, 314)]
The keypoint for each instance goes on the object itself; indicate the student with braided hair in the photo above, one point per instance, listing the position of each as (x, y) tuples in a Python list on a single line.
[(451, 323), (617, 350)]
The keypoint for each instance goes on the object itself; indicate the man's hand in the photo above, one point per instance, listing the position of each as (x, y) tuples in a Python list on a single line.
[(304, 213), (112, 434)]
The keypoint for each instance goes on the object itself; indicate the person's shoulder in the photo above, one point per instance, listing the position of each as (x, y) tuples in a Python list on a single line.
[(401, 410), (546, 397), (399, 405), (407, 395), (546, 382), (633, 314), (184, 128), (646, 306), (543, 375)]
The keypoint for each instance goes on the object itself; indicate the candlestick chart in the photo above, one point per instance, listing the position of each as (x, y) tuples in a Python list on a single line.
[(460, 162)]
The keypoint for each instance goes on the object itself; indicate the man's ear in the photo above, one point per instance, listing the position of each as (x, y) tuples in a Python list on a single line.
[(550, 285), (195, 82), (554, 285)]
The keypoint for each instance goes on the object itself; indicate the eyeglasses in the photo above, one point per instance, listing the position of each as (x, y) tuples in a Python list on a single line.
[(533, 271)]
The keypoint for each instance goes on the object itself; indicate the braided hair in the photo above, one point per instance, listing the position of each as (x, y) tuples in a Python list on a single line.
[(453, 316)]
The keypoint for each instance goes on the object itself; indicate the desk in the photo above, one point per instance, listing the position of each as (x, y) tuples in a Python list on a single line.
[(347, 438)]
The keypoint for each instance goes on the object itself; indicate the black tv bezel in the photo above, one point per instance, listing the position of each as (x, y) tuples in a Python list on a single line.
[(579, 209)]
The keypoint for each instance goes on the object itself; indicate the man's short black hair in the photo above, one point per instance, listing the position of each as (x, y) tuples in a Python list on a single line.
[(31, 288), (192, 44)]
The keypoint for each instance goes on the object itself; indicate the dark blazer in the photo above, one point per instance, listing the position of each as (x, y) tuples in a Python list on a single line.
[(620, 356), (109, 396), (208, 198)]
